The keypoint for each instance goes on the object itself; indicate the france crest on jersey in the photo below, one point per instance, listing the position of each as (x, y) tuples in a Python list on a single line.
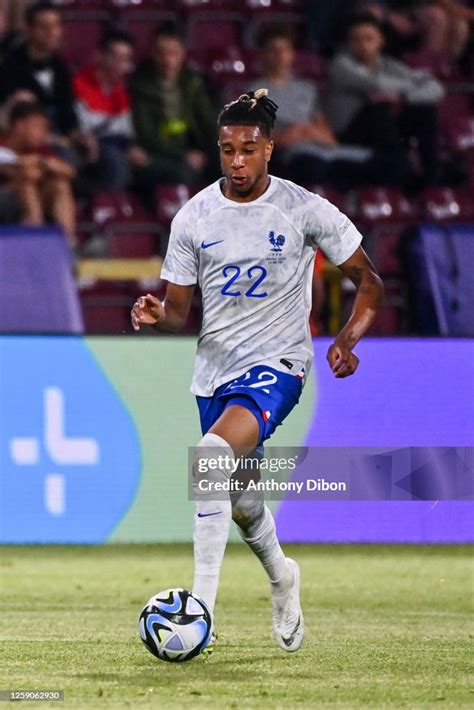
[(254, 264)]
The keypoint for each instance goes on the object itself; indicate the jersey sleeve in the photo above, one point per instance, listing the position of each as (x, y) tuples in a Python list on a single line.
[(328, 228), (180, 265)]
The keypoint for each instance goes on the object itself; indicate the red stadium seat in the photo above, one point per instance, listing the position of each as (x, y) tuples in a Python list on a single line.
[(106, 307), (169, 199), (83, 30), (390, 319), (443, 204), (129, 242), (380, 204), (149, 4), (140, 21), (128, 229), (460, 134), (438, 63), (386, 250), (310, 65), (213, 30)]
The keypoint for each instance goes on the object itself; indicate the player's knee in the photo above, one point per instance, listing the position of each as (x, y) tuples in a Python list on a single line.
[(212, 463)]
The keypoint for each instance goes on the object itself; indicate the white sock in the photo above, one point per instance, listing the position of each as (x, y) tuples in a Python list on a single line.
[(260, 536), (211, 521)]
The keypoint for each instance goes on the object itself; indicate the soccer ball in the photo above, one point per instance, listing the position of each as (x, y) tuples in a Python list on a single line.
[(175, 625)]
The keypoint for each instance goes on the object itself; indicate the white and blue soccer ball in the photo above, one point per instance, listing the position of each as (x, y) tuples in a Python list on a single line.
[(175, 625)]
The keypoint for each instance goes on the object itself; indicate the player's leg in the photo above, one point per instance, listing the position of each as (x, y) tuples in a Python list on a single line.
[(241, 428), (257, 528), (235, 429)]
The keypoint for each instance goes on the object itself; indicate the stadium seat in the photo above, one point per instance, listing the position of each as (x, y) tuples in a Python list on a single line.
[(213, 30), (392, 315), (140, 20), (460, 134), (379, 204), (443, 204), (148, 4), (84, 26), (310, 65), (129, 242), (106, 307), (169, 199), (386, 249), (82, 34), (223, 65), (128, 229), (438, 63)]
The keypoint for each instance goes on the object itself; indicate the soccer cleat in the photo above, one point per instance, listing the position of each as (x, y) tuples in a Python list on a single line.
[(288, 621), (210, 646)]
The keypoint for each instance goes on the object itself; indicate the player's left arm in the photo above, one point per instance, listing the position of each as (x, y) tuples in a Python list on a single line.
[(369, 293)]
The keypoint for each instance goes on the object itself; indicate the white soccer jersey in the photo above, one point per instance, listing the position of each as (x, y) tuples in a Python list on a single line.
[(254, 264)]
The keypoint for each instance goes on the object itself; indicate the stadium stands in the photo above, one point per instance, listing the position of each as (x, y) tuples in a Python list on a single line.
[(221, 39)]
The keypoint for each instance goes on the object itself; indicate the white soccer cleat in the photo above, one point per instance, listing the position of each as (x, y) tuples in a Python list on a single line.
[(288, 621)]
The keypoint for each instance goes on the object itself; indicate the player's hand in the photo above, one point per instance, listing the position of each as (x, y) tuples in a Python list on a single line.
[(147, 310), (342, 361)]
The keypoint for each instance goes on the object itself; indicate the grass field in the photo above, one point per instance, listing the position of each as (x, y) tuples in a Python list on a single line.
[(387, 627)]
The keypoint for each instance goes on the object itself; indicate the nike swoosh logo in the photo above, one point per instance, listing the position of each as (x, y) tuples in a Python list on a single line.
[(206, 515), (211, 244)]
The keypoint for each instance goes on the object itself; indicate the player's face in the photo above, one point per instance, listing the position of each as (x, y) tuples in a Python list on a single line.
[(244, 153), (365, 42)]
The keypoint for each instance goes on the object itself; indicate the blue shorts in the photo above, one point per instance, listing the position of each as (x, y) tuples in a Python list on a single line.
[(268, 393)]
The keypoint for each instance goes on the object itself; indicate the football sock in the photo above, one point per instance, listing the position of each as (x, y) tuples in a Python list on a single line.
[(257, 528), (212, 518)]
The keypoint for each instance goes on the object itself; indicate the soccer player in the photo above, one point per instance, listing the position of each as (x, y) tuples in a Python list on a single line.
[(249, 241)]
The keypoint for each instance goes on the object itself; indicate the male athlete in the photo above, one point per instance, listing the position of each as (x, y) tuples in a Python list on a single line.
[(249, 241)]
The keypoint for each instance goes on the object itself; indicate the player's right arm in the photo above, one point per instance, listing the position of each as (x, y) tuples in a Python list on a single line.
[(168, 316)]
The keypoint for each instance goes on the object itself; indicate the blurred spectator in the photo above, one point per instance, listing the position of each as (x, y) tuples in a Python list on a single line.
[(104, 114), (398, 21), (306, 149), (446, 25), (439, 26), (35, 66), (12, 22), (32, 176), (325, 20), (381, 103), (174, 119)]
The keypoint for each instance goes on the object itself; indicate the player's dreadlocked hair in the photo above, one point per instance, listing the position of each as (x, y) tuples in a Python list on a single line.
[(251, 109)]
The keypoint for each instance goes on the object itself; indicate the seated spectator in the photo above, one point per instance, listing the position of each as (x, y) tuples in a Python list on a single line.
[(12, 22), (173, 116), (398, 21), (32, 176), (438, 26), (381, 103), (306, 148), (36, 66), (446, 25), (104, 114)]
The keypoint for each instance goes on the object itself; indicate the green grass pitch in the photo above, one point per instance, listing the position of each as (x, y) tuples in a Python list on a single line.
[(387, 627)]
